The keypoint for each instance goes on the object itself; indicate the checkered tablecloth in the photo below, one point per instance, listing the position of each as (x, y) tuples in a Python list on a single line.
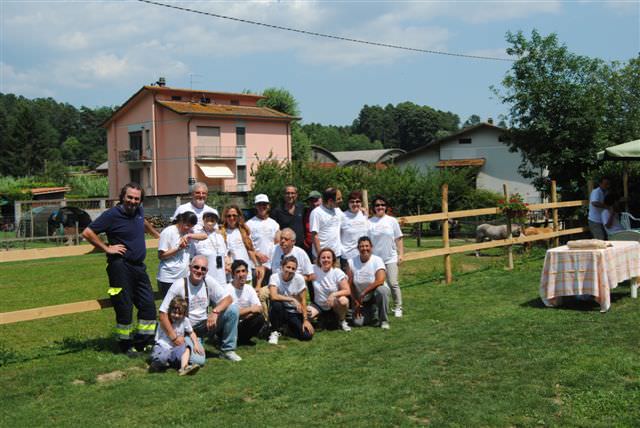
[(596, 272)]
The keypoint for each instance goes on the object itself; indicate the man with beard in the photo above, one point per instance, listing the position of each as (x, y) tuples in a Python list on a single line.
[(198, 204), (129, 283)]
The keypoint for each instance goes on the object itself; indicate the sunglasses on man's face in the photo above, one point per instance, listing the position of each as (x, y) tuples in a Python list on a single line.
[(199, 268), (380, 205)]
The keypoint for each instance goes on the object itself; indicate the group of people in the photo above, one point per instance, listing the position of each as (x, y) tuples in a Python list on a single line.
[(230, 280)]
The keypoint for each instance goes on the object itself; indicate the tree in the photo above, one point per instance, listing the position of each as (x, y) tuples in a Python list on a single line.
[(281, 100), (622, 118), (72, 149), (474, 119), (556, 110)]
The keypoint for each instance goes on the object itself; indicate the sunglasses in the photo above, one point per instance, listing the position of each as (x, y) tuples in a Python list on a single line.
[(355, 201), (232, 215), (199, 268), (380, 205)]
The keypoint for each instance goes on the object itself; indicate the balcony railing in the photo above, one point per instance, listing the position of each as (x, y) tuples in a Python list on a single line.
[(216, 152), (133, 156)]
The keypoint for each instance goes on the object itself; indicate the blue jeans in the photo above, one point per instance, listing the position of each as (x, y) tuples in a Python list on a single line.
[(226, 328), (195, 358)]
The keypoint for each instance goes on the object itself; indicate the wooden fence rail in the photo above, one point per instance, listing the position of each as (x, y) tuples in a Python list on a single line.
[(446, 251)]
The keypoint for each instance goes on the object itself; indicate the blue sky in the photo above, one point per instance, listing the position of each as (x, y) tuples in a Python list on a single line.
[(99, 53)]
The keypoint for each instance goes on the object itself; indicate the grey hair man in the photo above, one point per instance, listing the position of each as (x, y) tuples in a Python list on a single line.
[(197, 204)]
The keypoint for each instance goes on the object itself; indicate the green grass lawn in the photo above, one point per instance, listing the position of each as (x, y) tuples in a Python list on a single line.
[(480, 352)]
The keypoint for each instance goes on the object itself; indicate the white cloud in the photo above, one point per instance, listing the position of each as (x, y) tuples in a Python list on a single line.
[(104, 67), (473, 11), (72, 41), (85, 45)]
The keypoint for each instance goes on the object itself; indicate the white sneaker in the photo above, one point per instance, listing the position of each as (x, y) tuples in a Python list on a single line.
[(397, 312), (231, 356), (385, 325), (273, 337), (344, 326)]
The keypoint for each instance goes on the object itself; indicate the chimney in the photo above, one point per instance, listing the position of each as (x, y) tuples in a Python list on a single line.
[(161, 81), (490, 121)]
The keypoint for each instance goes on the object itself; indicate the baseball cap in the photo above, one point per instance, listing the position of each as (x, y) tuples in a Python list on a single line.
[(261, 199), (314, 194)]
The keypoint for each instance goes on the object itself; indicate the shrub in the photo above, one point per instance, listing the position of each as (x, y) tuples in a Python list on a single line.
[(406, 188)]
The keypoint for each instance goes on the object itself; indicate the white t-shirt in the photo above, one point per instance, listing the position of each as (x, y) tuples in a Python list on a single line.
[(181, 327), (199, 212), (288, 288), (244, 297), (383, 232), (304, 264), (198, 303), (213, 247), (365, 273), (263, 234), (326, 223), (352, 228), (176, 266), (615, 225), (595, 213), (237, 250), (325, 284)]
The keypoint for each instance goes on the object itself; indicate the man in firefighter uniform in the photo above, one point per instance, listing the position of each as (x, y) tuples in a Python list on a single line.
[(129, 284)]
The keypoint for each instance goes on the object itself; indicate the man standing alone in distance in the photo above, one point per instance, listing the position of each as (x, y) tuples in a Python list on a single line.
[(129, 283), (596, 205)]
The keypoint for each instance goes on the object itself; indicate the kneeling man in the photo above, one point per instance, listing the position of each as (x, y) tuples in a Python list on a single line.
[(199, 290), (368, 289), (251, 320)]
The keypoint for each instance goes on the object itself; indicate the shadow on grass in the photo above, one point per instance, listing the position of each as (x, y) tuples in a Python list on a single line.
[(67, 345), (573, 303)]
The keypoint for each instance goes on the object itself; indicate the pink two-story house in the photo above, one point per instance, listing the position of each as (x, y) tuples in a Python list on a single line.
[(167, 138)]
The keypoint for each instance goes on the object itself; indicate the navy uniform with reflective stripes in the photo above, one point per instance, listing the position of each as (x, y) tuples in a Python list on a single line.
[(128, 280)]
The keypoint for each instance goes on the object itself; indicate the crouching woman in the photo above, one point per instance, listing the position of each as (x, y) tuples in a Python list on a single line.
[(287, 292)]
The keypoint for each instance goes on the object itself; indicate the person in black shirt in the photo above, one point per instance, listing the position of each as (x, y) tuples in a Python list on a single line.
[(129, 283), (291, 214)]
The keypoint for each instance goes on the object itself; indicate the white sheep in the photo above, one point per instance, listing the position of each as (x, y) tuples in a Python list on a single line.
[(490, 232)]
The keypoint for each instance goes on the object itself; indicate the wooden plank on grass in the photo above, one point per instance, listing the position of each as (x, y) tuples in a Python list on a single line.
[(53, 311), (57, 310), (46, 253)]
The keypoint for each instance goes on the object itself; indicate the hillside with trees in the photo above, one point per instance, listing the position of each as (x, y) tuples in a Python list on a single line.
[(42, 137)]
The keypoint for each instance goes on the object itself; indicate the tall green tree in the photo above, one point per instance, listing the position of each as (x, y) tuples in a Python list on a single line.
[(283, 101), (556, 109)]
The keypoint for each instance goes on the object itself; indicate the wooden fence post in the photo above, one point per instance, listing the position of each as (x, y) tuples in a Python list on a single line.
[(445, 233), (505, 189), (419, 235), (554, 199), (365, 200)]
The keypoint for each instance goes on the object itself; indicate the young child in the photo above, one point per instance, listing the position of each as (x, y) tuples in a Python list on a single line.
[(165, 352)]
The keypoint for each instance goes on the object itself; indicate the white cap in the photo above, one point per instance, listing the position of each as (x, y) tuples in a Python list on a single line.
[(211, 210), (261, 199)]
